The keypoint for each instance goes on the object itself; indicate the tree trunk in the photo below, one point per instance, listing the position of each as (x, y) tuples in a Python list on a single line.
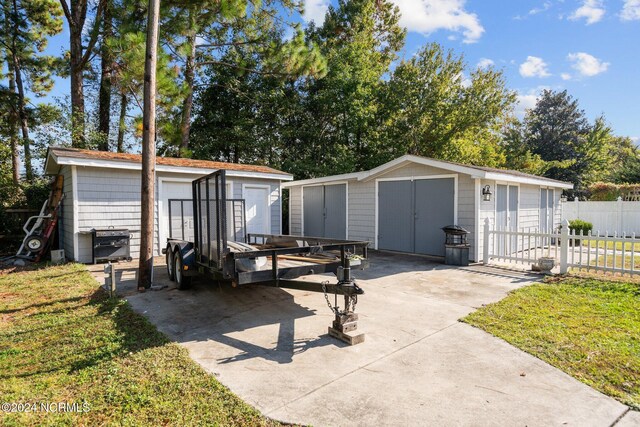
[(121, 122), (189, 77), (24, 121), (145, 275), (13, 129), (77, 92), (106, 76)]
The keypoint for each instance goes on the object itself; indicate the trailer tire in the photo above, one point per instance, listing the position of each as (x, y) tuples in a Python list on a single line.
[(171, 268), (183, 282)]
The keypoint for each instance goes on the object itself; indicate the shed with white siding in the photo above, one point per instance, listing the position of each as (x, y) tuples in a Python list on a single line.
[(403, 204), (102, 189)]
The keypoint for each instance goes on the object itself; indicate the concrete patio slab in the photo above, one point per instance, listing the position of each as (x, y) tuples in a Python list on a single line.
[(418, 364)]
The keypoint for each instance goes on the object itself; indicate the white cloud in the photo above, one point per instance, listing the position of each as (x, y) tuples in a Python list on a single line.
[(630, 10), (525, 102), (536, 10), (591, 10), (587, 65), (635, 139), (464, 80), (485, 63), (565, 76), (315, 10), (428, 16), (534, 67)]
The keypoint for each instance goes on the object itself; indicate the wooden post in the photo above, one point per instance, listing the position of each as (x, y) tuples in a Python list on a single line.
[(148, 149), (564, 247), (485, 241)]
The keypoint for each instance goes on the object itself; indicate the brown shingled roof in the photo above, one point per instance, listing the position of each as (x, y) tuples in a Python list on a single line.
[(168, 161)]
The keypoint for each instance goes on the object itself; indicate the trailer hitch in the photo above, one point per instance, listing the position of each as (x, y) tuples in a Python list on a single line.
[(346, 320)]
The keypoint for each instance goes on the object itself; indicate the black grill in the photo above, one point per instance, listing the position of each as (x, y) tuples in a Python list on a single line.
[(456, 245), (111, 244)]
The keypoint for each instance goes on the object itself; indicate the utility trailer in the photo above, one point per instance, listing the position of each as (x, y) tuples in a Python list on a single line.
[(199, 244)]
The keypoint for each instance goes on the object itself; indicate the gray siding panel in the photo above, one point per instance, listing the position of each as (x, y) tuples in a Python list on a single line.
[(111, 197)]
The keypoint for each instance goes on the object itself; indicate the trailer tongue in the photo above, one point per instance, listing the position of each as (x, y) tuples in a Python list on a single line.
[(259, 259)]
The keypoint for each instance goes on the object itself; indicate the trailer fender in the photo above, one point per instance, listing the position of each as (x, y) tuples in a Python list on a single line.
[(188, 253)]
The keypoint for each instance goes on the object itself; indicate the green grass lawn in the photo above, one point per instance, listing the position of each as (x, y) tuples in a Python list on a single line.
[(619, 260), (587, 327), (63, 340), (628, 246)]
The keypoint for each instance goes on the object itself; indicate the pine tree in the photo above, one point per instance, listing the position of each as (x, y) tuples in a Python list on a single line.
[(24, 35), (79, 55)]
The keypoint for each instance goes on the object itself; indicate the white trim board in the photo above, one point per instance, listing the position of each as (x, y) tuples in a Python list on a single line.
[(477, 189), (74, 192)]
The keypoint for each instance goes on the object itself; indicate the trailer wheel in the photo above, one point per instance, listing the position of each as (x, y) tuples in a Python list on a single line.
[(171, 269), (183, 282)]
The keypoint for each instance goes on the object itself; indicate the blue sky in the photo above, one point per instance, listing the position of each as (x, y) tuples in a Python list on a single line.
[(589, 47)]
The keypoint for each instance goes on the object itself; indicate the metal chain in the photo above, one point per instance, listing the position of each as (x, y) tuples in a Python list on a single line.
[(351, 301), (326, 297)]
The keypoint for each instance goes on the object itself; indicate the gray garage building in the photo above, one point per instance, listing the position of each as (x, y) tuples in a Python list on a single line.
[(403, 204), (102, 189)]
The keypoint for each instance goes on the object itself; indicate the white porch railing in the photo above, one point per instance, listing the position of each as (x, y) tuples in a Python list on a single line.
[(619, 254)]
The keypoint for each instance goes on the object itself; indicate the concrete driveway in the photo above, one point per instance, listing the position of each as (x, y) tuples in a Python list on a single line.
[(417, 366)]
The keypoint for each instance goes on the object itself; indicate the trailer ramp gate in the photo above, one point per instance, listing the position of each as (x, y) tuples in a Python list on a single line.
[(214, 229)]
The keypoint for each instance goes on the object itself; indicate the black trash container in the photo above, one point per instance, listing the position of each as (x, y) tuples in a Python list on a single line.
[(456, 246)]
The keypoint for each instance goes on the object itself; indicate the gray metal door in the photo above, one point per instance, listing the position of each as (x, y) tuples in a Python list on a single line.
[(335, 208), (313, 205), (434, 209), (395, 216), (412, 213), (325, 211)]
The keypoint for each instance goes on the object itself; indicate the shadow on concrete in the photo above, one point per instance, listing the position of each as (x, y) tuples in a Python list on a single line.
[(217, 312)]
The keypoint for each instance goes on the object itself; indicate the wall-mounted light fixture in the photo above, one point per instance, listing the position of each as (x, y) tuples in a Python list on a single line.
[(486, 193)]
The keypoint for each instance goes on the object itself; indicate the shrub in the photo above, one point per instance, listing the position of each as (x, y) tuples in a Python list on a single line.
[(607, 191), (578, 227)]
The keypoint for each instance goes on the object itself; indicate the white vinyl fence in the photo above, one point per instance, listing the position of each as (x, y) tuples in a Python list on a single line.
[(619, 217), (591, 252)]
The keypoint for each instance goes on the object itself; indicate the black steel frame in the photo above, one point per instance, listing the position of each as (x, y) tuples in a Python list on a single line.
[(243, 219), (221, 263)]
